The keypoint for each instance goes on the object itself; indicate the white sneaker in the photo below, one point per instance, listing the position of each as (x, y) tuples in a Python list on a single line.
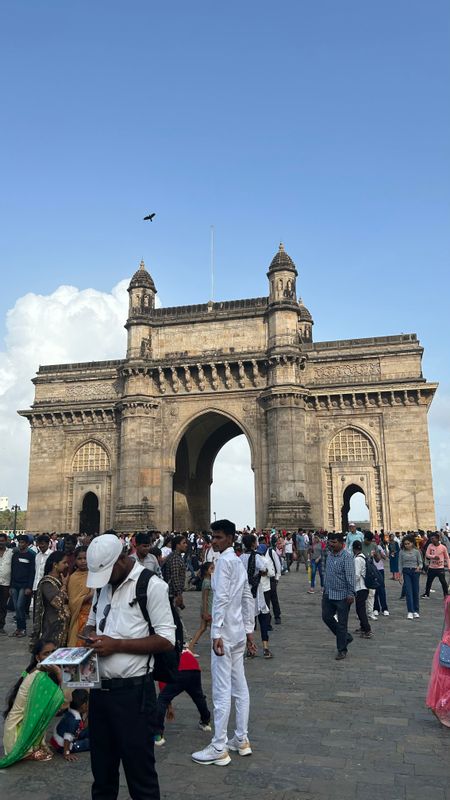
[(372, 616), (376, 613), (242, 746), (385, 613), (416, 615), (410, 616), (209, 755), (204, 726)]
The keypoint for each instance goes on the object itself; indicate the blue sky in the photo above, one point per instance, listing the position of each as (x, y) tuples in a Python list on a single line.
[(324, 124)]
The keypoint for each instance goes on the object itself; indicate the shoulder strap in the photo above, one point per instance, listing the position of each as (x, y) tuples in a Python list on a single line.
[(97, 595), (141, 594)]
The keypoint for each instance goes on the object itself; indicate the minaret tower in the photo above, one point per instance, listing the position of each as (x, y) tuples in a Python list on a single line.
[(142, 292), (284, 400), (283, 306)]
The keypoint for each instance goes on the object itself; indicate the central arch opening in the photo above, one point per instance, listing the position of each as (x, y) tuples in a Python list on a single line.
[(90, 515), (194, 462), (354, 507), (233, 486)]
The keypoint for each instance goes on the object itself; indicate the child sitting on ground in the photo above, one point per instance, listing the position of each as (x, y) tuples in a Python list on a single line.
[(71, 734)]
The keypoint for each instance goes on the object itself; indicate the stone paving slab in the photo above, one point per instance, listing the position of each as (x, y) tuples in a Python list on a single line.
[(320, 730)]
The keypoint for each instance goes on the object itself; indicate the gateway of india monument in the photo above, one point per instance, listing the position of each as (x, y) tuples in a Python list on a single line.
[(131, 443)]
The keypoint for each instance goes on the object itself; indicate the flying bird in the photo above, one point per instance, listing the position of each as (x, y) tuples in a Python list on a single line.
[(150, 217)]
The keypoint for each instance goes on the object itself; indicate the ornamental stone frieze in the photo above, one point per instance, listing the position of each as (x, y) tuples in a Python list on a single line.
[(132, 407), (209, 376), (44, 418), (421, 395)]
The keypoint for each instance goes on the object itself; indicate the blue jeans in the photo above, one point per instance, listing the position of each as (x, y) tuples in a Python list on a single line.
[(316, 567), (19, 601), (411, 580)]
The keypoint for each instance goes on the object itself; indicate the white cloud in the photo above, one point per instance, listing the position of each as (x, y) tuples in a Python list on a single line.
[(67, 325)]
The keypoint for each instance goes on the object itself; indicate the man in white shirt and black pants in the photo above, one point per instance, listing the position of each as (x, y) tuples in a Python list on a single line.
[(122, 711), (233, 622)]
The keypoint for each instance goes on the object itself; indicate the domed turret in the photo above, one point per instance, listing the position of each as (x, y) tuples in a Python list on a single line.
[(281, 261), (305, 322), (142, 293), (282, 274), (142, 279)]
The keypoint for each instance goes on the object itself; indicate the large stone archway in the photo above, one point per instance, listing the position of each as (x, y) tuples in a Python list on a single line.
[(196, 376), (195, 455)]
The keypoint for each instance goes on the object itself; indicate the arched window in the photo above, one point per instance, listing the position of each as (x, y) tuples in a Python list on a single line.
[(351, 445), (90, 457)]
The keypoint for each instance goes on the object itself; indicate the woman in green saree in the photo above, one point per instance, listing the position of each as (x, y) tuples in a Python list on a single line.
[(31, 705)]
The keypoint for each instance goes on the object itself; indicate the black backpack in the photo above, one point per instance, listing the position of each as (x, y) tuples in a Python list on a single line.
[(253, 575), (165, 667), (372, 578)]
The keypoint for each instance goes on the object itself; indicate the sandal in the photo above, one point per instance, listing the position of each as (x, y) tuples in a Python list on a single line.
[(267, 654)]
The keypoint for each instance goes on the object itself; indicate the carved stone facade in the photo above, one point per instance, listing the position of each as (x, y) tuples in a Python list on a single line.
[(131, 443)]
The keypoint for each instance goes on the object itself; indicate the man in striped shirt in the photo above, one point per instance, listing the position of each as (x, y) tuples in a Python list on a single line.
[(339, 592)]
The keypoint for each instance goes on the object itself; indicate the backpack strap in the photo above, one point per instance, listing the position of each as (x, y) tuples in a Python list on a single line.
[(97, 595), (141, 598), (141, 595)]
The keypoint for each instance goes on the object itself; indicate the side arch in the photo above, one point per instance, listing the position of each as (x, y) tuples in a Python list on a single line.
[(352, 465)]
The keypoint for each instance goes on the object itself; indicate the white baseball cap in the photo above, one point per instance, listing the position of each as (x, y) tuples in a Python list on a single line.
[(101, 555)]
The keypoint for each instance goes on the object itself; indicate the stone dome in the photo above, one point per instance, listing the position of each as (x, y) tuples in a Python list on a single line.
[(281, 261), (142, 279), (305, 314)]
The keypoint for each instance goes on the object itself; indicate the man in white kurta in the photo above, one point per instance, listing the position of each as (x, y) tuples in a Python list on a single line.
[(233, 620)]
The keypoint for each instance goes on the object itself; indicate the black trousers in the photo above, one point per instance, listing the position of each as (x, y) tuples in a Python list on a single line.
[(360, 604), (271, 596), (121, 729), (339, 628), (264, 622), (436, 573), (189, 681)]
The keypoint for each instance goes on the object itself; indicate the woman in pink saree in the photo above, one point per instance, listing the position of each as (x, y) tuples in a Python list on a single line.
[(438, 695)]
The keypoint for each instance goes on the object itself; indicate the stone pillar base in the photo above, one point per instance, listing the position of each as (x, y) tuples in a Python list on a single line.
[(289, 514), (129, 519)]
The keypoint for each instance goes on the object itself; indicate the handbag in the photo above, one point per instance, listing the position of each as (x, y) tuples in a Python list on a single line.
[(444, 655)]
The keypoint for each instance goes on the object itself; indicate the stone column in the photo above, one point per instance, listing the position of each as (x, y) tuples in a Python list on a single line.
[(139, 468), (288, 506)]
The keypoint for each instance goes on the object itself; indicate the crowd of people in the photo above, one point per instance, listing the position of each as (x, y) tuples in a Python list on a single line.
[(123, 596)]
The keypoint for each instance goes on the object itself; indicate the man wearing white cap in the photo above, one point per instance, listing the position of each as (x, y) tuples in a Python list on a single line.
[(122, 711)]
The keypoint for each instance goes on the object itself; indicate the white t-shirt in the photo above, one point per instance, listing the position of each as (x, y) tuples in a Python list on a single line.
[(360, 572)]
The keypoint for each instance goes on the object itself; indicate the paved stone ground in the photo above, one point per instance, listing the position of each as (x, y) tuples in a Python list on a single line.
[(320, 730)]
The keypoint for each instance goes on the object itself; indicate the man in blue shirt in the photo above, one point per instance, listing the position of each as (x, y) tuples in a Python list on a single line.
[(339, 592), (353, 535)]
